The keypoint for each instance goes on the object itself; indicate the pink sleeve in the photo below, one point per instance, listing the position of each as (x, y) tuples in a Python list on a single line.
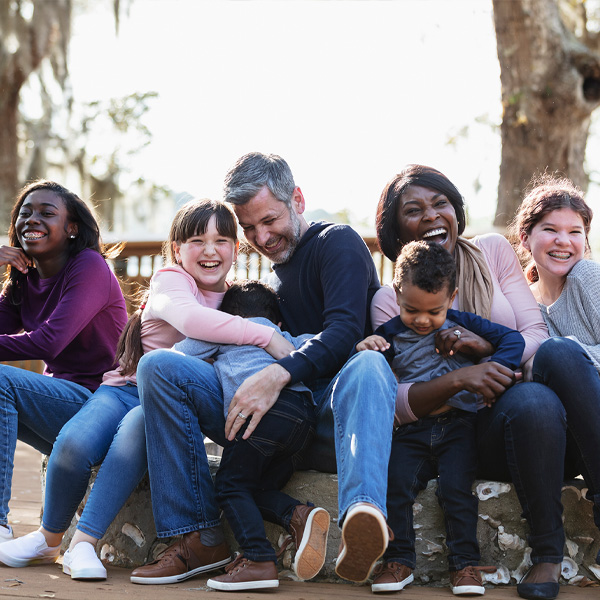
[(529, 321), (383, 306), (404, 414), (174, 298)]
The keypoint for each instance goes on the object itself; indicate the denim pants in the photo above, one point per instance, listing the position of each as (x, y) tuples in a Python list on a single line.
[(109, 429), (253, 471), (33, 409), (182, 402), (442, 446), (355, 420), (565, 367), (522, 438)]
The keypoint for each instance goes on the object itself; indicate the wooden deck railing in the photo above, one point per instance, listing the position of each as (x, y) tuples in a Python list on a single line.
[(139, 260)]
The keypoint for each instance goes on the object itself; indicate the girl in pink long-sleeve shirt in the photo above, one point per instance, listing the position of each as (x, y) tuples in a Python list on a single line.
[(182, 301)]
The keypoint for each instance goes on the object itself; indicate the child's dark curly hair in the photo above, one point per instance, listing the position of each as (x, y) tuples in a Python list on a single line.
[(427, 265), (251, 299)]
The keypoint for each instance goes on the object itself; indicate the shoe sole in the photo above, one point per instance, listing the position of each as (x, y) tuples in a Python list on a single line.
[(310, 556), (364, 538), (90, 573), (242, 585), (392, 587), (11, 561), (471, 590), (181, 577)]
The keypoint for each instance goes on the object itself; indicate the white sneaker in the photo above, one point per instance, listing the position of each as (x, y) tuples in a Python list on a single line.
[(6, 534), (83, 563), (28, 550)]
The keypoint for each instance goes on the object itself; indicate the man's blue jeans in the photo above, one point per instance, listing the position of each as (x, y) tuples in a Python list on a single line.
[(565, 367), (443, 447), (33, 408), (355, 420), (182, 401), (253, 471), (109, 429)]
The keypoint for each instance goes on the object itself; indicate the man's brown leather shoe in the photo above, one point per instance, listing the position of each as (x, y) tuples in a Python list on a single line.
[(184, 559), (244, 574), (309, 527)]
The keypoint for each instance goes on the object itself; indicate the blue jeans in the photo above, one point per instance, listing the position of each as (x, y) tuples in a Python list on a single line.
[(565, 367), (356, 411), (109, 429), (33, 408), (442, 446), (182, 401), (253, 471), (522, 438)]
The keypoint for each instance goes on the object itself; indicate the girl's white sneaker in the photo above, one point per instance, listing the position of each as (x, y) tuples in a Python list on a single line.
[(28, 550), (82, 562)]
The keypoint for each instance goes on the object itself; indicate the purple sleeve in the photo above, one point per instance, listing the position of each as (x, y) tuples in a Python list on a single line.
[(10, 317)]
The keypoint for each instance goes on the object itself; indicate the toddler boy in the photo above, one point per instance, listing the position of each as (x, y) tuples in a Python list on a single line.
[(441, 444)]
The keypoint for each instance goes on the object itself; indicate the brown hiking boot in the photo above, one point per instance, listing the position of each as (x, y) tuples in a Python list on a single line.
[(391, 577), (468, 581), (244, 574), (309, 527), (184, 559), (364, 540)]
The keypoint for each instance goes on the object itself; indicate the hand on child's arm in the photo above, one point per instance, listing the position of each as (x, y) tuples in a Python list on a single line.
[(448, 343), (254, 398), (490, 379), (373, 342), (279, 347)]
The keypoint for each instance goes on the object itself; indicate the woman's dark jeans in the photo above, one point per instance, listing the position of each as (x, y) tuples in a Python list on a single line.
[(442, 446), (565, 367), (522, 438), (253, 471)]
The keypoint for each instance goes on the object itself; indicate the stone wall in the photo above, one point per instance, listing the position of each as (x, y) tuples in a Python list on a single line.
[(131, 539)]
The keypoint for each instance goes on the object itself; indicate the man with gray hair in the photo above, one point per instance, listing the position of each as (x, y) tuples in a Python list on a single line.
[(325, 278)]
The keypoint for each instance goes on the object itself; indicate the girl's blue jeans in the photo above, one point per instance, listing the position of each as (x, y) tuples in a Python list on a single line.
[(33, 409), (108, 430), (565, 367)]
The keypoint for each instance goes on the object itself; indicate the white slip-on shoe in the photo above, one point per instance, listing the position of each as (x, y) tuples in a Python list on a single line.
[(6, 534), (82, 562), (28, 550)]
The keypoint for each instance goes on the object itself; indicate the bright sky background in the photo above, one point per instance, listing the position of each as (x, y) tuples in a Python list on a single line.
[(346, 91)]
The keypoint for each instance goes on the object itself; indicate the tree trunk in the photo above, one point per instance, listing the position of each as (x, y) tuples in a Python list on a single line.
[(25, 40), (550, 86)]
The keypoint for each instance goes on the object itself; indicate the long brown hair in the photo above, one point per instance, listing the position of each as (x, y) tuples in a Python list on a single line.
[(191, 219), (547, 194)]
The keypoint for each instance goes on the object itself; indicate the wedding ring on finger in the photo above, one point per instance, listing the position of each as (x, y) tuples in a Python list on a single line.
[(456, 332), (241, 415)]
